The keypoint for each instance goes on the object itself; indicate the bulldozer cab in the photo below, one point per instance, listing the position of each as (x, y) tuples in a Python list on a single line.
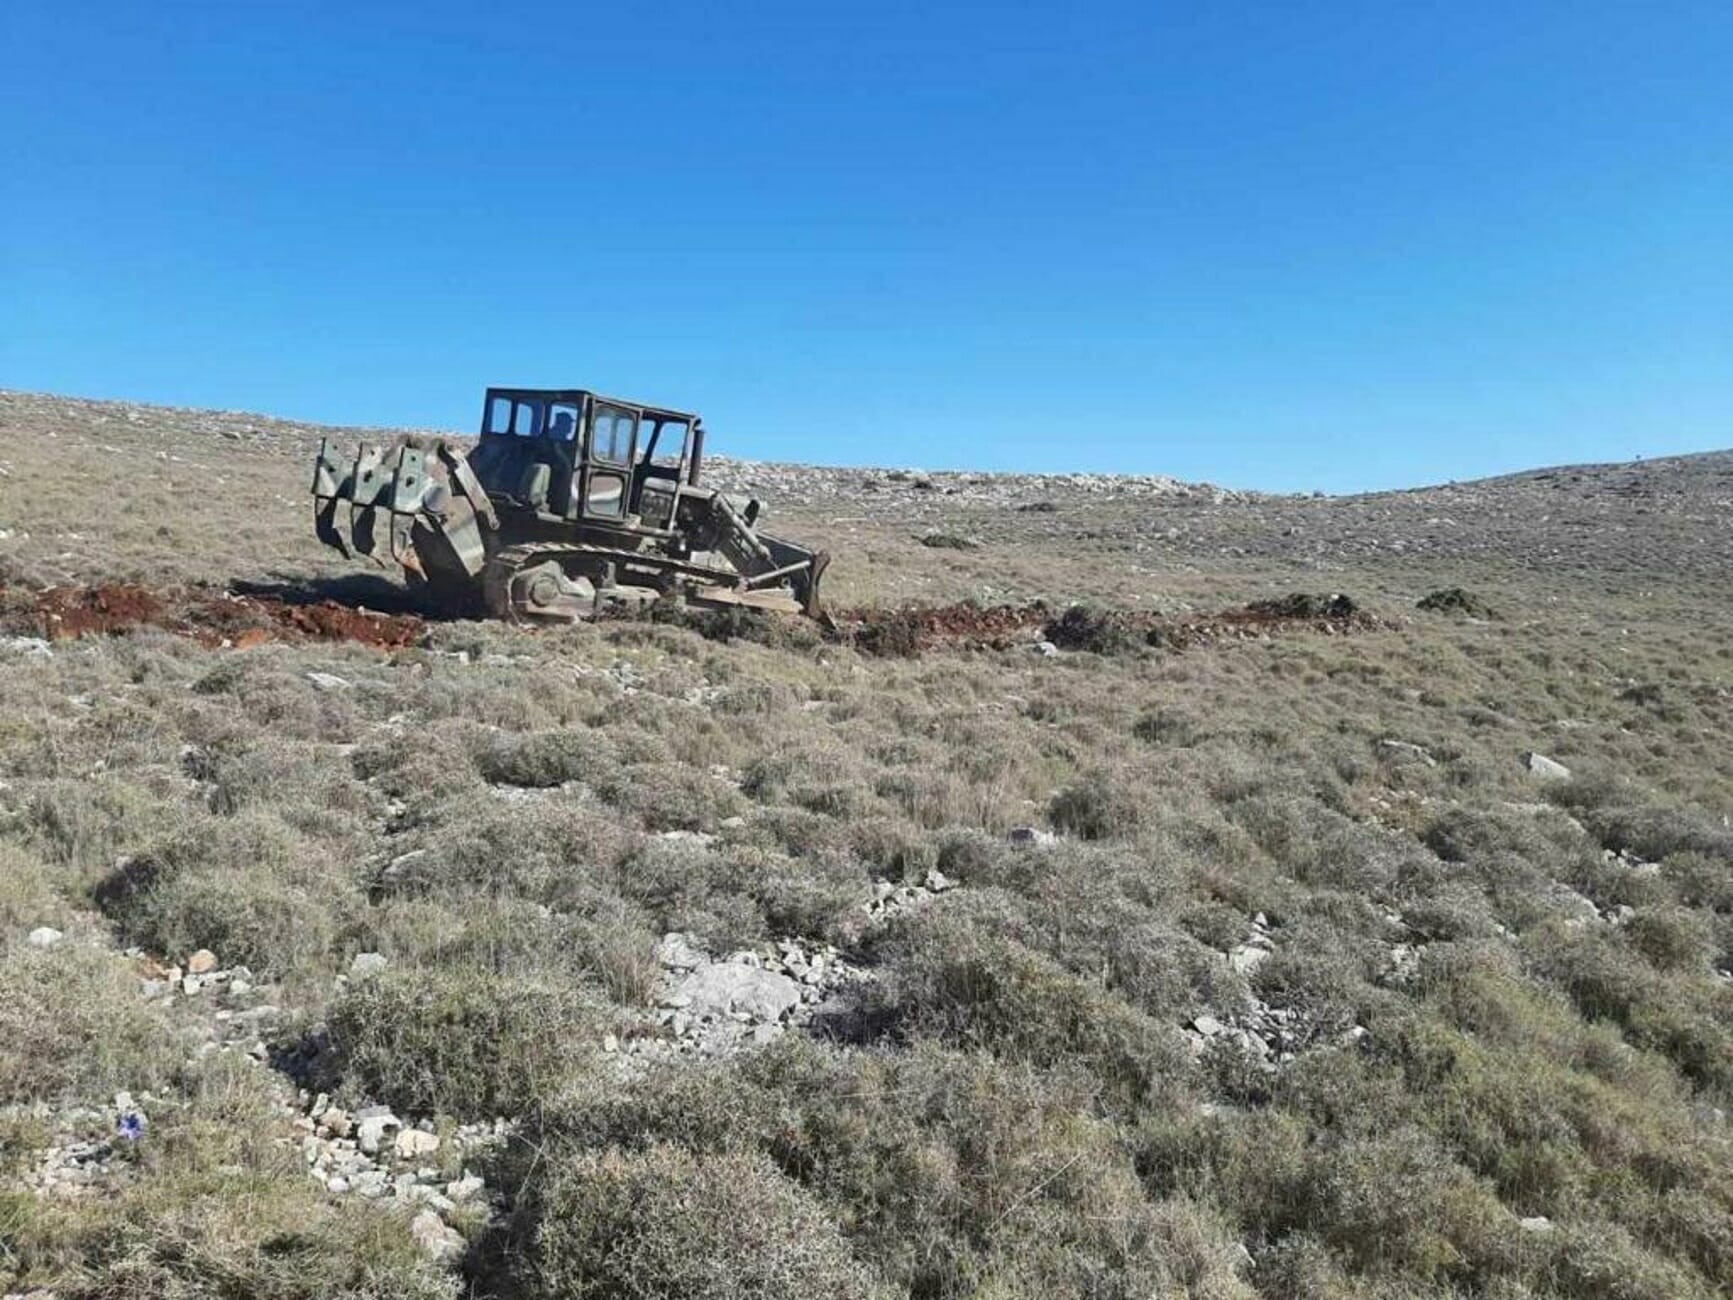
[(575, 455)]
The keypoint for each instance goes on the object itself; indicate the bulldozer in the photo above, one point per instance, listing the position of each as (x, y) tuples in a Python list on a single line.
[(567, 503)]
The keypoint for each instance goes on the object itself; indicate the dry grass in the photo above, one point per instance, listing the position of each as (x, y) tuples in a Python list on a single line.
[(1015, 1113)]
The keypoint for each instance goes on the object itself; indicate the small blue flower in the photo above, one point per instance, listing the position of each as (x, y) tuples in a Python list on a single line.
[(131, 1125)]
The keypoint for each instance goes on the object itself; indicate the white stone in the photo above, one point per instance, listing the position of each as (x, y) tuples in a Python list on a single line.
[(44, 936), (1246, 959), (412, 1144), (370, 1131), (438, 1241), (31, 647), (729, 987), (677, 952), (1548, 769), (1408, 749), (328, 681), (464, 1188), (367, 963)]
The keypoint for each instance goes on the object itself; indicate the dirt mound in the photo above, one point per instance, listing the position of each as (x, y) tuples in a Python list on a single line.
[(214, 618), (900, 633), (1455, 600), (226, 619), (329, 621), (68, 612), (1103, 631), (1305, 604), (916, 629)]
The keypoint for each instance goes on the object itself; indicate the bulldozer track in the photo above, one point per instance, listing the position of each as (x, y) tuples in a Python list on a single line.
[(504, 565)]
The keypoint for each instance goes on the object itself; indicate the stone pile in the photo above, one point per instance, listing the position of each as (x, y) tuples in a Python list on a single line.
[(1269, 1036), (227, 1000), (374, 1154), (1248, 956), (918, 491), (82, 1153), (712, 1007)]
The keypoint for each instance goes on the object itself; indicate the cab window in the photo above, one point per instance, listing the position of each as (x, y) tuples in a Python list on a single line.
[(668, 447), (611, 434), (563, 421), (606, 495), (527, 419)]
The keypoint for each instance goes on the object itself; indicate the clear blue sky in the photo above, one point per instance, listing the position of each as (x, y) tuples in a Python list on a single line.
[(1278, 245)]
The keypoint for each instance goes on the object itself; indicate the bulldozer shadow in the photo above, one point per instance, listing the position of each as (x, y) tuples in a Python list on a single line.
[(370, 591)]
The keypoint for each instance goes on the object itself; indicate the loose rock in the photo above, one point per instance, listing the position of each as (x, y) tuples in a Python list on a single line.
[(412, 1144), (367, 963), (439, 1241), (1547, 769)]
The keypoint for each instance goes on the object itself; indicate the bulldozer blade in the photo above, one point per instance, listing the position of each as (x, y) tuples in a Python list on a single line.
[(807, 589), (331, 484), (714, 597), (325, 526), (362, 522)]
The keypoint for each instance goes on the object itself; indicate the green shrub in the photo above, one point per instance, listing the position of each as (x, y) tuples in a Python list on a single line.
[(542, 759), (1601, 1261), (1397, 1204), (461, 1041), (216, 1204), (1098, 806), (248, 888), (28, 897), (86, 825), (977, 989), (665, 796), (1672, 938), (613, 943), (73, 1026), (1654, 833), (664, 1224), (1168, 727), (560, 852)]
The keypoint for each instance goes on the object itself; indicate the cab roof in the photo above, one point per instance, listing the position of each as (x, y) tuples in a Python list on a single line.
[(579, 394)]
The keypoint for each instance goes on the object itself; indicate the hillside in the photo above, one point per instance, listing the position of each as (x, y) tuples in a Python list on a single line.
[(1177, 945)]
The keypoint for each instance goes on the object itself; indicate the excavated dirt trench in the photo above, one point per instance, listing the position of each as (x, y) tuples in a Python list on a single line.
[(226, 619), (1108, 631), (213, 618)]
